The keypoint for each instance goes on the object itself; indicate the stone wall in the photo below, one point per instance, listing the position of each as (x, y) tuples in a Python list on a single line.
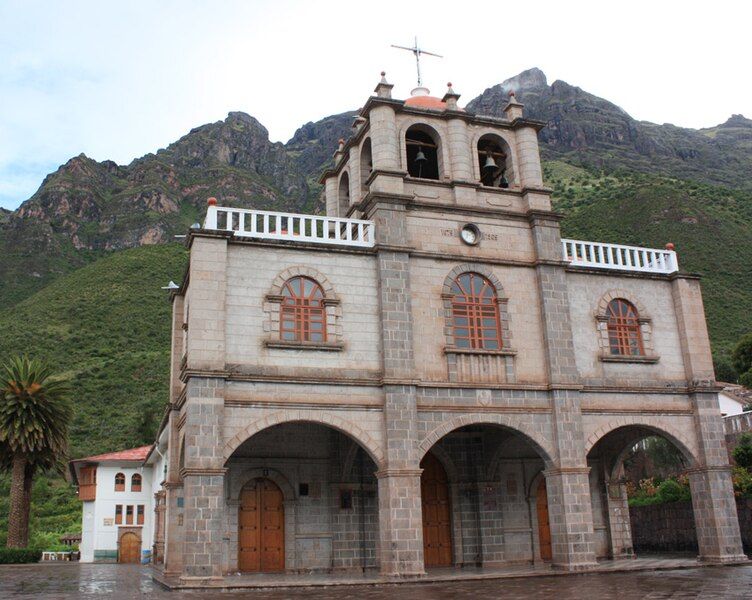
[(671, 526)]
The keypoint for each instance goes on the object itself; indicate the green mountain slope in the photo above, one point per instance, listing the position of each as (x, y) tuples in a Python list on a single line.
[(107, 326), (711, 227)]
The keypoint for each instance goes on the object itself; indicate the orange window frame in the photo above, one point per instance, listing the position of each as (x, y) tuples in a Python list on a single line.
[(140, 514), (129, 514), (624, 332), (118, 514), (120, 482), (302, 312), (136, 482), (476, 322)]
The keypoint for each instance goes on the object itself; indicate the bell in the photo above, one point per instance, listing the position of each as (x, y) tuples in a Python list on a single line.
[(503, 182), (490, 163), (420, 157)]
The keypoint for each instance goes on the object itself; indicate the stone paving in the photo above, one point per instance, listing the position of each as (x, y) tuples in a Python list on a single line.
[(67, 581)]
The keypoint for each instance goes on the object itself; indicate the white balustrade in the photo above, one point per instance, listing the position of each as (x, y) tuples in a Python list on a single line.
[(261, 224), (618, 257)]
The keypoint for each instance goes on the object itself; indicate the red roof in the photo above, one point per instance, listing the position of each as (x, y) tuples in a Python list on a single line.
[(134, 454), (426, 102)]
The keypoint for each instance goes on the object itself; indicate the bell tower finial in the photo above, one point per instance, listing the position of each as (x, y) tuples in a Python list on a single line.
[(417, 51)]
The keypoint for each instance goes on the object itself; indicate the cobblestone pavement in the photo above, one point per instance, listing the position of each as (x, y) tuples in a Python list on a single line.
[(130, 581)]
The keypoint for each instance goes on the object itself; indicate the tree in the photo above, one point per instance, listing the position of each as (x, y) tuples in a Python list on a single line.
[(743, 451), (34, 417), (741, 355)]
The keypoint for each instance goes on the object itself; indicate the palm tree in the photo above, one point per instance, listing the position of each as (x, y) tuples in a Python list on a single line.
[(34, 418)]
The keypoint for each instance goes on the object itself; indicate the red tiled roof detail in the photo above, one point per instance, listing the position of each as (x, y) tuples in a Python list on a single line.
[(426, 102), (138, 454)]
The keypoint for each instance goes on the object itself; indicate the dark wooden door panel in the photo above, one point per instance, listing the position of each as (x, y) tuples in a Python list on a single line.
[(437, 527), (544, 528), (261, 520)]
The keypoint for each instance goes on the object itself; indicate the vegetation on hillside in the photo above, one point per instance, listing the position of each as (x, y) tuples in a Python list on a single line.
[(710, 226)]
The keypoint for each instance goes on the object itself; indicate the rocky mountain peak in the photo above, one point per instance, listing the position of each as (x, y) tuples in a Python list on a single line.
[(531, 79)]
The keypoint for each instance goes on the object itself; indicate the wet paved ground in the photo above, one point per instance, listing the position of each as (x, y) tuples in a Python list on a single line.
[(130, 581)]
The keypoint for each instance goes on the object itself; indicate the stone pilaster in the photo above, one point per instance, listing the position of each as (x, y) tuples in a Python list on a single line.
[(173, 559), (400, 511), (400, 522), (461, 155), (203, 479), (570, 508), (716, 520), (620, 529)]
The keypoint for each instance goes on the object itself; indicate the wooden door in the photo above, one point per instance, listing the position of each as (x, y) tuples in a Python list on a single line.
[(130, 548), (261, 527), (437, 527), (544, 529)]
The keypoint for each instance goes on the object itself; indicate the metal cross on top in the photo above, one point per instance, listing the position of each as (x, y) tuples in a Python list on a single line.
[(417, 52)]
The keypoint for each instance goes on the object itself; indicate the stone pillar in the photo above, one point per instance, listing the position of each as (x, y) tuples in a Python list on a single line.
[(528, 155), (618, 521), (400, 512), (461, 154), (567, 482), (713, 501), (716, 520), (203, 479), (385, 144), (173, 555)]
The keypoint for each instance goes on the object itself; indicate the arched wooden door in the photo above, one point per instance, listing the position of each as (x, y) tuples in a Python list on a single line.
[(261, 527), (437, 527), (130, 548), (544, 528)]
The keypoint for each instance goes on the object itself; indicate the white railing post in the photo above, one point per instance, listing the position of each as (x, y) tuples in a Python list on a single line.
[(211, 217), (617, 257)]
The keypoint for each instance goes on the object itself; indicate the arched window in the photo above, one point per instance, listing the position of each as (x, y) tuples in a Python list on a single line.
[(624, 335), (366, 163), (493, 162), (422, 154), (344, 194), (475, 313), (120, 482), (303, 316), (136, 483)]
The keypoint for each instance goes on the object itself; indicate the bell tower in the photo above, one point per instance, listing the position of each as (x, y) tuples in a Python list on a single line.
[(430, 152)]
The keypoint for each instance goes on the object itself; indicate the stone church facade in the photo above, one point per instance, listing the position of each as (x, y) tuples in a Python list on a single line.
[(429, 375)]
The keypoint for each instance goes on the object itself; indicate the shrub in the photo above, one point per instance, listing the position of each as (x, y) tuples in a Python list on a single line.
[(742, 482), (16, 556), (672, 491), (724, 370), (746, 379), (741, 355), (743, 451)]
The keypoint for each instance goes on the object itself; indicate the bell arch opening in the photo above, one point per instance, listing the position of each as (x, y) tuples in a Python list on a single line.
[(422, 145), (478, 497), (494, 161), (366, 164), (343, 194), (640, 492), (317, 485)]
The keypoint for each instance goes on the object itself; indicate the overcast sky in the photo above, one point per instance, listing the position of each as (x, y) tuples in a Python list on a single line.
[(116, 80)]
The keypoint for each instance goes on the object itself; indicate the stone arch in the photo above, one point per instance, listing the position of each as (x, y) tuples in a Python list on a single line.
[(301, 271), (495, 143), (497, 456), (446, 461), (667, 431), (511, 422), (236, 484), (363, 438), (441, 148), (602, 305), (509, 143), (475, 268)]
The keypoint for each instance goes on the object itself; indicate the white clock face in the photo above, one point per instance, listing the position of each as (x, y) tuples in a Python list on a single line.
[(469, 235)]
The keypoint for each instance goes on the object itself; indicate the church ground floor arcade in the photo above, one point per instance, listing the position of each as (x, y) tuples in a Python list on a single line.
[(306, 490)]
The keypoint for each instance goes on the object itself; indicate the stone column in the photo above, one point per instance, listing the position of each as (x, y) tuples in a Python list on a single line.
[(567, 483), (716, 520), (618, 521), (461, 154), (203, 479), (173, 557), (400, 511)]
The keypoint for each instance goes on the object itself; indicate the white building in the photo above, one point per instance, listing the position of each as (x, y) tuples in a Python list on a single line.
[(117, 490)]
